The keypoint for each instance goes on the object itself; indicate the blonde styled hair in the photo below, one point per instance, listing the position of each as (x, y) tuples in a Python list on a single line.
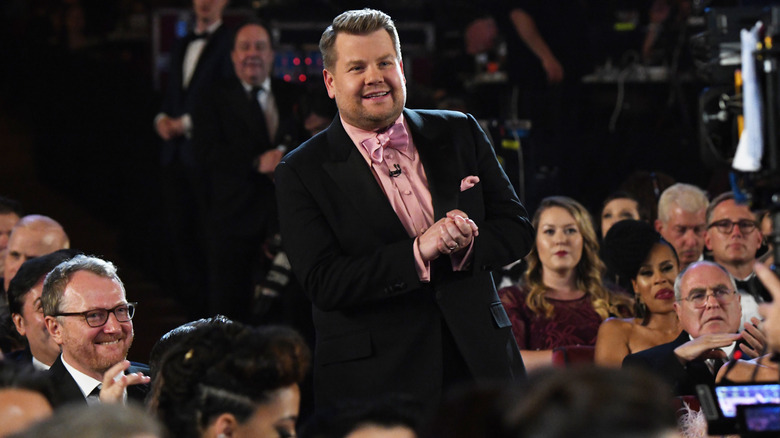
[(589, 270)]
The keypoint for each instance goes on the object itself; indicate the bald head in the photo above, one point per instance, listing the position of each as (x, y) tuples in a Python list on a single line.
[(33, 236), (20, 408)]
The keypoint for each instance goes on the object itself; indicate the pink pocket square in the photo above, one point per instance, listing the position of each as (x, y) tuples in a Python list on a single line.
[(468, 182)]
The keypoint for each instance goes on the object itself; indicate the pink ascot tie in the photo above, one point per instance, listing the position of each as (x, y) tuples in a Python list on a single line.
[(394, 137)]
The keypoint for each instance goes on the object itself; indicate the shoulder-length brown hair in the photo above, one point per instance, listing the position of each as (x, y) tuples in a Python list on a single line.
[(589, 270)]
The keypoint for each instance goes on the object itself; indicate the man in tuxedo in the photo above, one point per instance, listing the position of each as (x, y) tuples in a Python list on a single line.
[(197, 61), (708, 307), (242, 129), (395, 245), (87, 314), (734, 237), (24, 301)]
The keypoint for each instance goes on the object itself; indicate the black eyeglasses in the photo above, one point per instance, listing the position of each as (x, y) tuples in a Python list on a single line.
[(98, 317), (725, 226)]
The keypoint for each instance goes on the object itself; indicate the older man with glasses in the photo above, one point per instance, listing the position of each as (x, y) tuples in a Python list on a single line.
[(708, 307), (87, 314), (733, 237)]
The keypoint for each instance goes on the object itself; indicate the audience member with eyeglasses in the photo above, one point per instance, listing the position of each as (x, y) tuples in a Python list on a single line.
[(733, 238), (87, 314), (709, 311)]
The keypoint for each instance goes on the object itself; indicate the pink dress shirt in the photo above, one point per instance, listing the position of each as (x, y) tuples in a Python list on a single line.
[(408, 192)]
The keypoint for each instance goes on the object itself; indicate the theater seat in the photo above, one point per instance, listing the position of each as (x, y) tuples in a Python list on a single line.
[(573, 355)]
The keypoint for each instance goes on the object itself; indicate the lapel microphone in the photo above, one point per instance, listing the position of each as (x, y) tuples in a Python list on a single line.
[(396, 171)]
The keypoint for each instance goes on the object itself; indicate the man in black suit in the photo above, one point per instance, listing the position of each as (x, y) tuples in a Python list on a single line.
[(24, 301), (197, 61), (395, 245), (88, 316), (708, 307), (242, 129)]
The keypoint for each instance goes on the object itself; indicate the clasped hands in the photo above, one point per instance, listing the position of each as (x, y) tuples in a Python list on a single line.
[(170, 127), (450, 234)]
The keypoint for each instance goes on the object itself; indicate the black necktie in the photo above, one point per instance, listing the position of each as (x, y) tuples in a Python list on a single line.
[(254, 100), (94, 397)]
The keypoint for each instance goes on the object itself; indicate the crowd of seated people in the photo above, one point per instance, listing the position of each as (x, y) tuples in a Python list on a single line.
[(213, 376), (620, 292), (562, 299)]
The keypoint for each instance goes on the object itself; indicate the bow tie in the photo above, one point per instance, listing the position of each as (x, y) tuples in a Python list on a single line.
[(197, 36), (394, 137)]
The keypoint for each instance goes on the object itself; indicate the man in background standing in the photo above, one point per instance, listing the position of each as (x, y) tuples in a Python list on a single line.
[(198, 60), (242, 128)]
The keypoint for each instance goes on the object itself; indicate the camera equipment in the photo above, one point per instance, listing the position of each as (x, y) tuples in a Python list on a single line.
[(721, 404), (757, 421)]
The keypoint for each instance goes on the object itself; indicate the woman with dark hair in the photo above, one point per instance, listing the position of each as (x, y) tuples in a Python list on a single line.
[(562, 301), (636, 252), (617, 207), (232, 380)]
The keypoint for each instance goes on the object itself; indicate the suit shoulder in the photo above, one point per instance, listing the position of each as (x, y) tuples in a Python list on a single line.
[(314, 148), (650, 355), (442, 116), (137, 367)]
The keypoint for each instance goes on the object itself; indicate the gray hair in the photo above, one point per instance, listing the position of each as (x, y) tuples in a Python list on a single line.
[(58, 279), (679, 279), (356, 22), (688, 197)]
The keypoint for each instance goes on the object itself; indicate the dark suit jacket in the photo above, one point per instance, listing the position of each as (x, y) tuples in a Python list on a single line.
[(228, 135), (378, 327), (662, 360), (23, 357), (66, 390), (213, 65)]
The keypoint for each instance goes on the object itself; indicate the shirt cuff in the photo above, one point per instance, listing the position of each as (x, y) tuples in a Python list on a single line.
[(423, 267), (461, 260), (186, 120), (157, 119)]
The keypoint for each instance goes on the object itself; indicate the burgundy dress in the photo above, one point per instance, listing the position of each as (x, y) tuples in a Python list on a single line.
[(573, 322)]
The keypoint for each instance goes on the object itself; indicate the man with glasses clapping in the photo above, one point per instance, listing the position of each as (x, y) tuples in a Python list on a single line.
[(708, 307), (87, 314)]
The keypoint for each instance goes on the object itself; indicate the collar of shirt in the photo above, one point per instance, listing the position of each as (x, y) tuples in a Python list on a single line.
[(266, 85), (211, 29), (751, 275), (85, 382), (357, 136), (38, 365)]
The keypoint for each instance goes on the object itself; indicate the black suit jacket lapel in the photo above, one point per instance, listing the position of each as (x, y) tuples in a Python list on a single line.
[(209, 51), (438, 159), (243, 109), (354, 177), (65, 387)]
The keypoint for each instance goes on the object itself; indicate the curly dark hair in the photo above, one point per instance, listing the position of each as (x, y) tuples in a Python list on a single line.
[(229, 368)]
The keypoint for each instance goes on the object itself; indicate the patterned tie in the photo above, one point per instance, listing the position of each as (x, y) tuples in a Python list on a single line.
[(394, 137)]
